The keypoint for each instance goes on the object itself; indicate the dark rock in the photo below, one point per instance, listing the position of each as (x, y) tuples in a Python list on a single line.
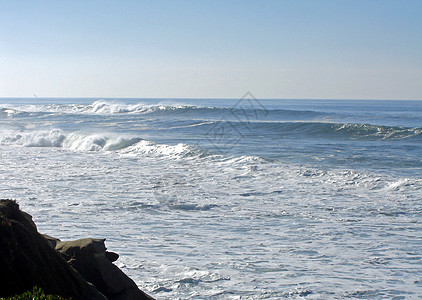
[(27, 260), (111, 256), (52, 241), (90, 258)]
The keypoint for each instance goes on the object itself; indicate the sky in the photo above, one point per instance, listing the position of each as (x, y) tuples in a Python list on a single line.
[(285, 49)]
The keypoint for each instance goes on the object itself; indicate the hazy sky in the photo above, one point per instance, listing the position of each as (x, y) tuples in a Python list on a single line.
[(369, 49)]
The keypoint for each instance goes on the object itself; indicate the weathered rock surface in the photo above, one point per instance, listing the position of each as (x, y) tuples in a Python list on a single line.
[(90, 258), (82, 270)]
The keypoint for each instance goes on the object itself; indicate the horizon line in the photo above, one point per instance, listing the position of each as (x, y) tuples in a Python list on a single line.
[(209, 98)]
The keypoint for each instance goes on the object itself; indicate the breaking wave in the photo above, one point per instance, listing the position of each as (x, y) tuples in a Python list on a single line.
[(328, 130), (98, 107), (79, 141), (384, 132), (277, 122), (103, 107)]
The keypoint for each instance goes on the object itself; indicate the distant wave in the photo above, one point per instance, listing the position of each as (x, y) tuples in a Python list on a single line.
[(79, 141), (322, 130), (254, 120), (98, 107), (102, 107), (374, 131), (7, 111)]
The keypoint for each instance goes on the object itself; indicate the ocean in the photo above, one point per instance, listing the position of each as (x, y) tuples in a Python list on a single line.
[(228, 198)]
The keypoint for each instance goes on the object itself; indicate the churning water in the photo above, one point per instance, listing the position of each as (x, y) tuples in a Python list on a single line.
[(228, 199)]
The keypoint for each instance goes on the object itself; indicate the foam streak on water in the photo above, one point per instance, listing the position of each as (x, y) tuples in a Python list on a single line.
[(253, 222)]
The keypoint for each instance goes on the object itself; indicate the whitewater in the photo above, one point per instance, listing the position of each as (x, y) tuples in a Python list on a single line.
[(228, 198)]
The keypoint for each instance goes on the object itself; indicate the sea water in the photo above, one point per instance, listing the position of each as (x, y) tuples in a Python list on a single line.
[(228, 198)]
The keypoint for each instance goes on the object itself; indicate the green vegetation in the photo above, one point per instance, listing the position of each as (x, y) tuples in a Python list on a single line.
[(36, 294)]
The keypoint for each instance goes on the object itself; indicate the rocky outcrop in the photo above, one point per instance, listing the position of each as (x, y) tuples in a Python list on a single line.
[(81, 269), (26, 260), (90, 258)]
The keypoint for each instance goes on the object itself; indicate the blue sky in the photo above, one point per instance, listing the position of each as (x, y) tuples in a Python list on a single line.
[(335, 49)]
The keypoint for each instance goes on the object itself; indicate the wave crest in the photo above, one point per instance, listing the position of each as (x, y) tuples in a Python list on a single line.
[(337, 130), (101, 107), (375, 131), (53, 138), (79, 141), (95, 142), (145, 147)]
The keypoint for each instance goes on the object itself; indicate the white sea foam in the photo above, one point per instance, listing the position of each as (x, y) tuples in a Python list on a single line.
[(96, 142), (104, 107), (145, 147), (216, 227), (8, 111), (52, 138), (80, 141)]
